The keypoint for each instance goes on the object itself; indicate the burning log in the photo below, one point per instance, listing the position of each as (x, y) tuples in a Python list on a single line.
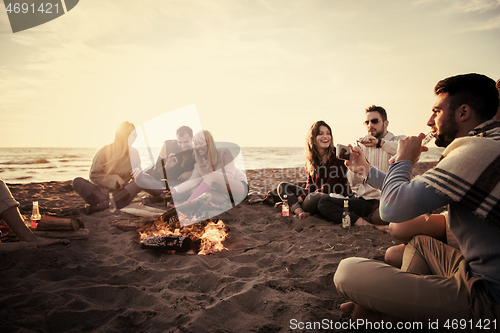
[(206, 237), (175, 243)]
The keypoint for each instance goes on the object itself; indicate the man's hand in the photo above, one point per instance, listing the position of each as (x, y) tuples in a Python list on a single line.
[(185, 176), (368, 141), (300, 200), (409, 148), (358, 163), (171, 161)]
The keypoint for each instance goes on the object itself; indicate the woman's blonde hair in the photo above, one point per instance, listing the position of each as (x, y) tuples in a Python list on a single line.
[(118, 150), (205, 137), (313, 158)]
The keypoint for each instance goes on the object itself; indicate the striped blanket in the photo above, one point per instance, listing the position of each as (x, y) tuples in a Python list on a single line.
[(469, 171)]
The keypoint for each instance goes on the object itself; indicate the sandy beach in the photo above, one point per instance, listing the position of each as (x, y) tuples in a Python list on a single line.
[(273, 271)]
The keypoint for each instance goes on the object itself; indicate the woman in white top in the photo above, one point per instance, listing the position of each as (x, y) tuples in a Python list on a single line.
[(214, 172)]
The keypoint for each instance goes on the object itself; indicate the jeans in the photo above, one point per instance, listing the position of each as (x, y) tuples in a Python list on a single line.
[(310, 203), (332, 208)]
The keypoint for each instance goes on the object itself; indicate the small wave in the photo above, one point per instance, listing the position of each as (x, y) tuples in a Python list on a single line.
[(23, 178), (40, 168), (66, 156), (63, 161), (37, 161)]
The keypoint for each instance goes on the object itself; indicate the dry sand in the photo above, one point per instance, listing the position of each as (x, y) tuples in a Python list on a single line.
[(275, 269)]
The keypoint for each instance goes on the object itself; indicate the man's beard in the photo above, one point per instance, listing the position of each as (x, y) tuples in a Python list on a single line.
[(447, 133), (379, 134)]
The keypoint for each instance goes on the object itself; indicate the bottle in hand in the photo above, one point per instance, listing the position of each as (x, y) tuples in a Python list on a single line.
[(346, 218), (285, 209)]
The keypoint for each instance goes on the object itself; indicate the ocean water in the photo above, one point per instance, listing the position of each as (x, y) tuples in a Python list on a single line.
[(27, 165)]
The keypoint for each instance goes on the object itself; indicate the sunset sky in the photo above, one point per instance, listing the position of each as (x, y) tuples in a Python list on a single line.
[(259, 72)]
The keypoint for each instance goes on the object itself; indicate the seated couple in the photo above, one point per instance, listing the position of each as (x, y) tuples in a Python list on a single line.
[(116, 169), (327, 174), (215, 174)]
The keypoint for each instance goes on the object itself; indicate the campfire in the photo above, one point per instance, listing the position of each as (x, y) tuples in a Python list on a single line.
[(204, 237)]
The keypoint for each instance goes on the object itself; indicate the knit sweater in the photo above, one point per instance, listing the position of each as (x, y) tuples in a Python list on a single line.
[(123, 169)]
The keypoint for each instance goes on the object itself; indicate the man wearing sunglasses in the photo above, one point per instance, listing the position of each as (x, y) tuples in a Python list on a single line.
[(379, 145)]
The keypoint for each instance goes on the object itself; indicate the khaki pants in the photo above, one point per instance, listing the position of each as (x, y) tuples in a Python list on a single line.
[(446, 292)]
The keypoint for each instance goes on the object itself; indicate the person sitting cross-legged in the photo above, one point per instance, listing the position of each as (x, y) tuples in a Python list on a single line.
[(437, 281)]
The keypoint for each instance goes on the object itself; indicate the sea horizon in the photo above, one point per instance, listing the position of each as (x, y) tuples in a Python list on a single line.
[(44, 164)]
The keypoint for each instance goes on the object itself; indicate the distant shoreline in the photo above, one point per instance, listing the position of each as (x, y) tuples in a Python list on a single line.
[(35, 165), (259, 180)]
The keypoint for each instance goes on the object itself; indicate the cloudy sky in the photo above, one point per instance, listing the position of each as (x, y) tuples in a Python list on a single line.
[(259, 72)]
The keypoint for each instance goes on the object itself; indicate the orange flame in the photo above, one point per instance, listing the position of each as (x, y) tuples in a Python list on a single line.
[(210, 234), (212, 238)]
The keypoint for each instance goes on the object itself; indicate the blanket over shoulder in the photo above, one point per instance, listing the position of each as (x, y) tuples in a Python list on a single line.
[(469, 171)]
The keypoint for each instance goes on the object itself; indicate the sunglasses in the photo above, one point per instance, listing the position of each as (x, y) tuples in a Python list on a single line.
[(374, 121)]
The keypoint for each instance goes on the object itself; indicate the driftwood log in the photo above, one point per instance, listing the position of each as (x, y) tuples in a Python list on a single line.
[(48, 222), (66, 234), (142, 211)]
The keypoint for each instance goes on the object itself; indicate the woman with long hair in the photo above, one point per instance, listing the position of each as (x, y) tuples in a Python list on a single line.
[(214, 172), (326, 173), (112, 171)]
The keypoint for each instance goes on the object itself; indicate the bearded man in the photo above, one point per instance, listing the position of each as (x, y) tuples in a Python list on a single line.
[(438, 283)]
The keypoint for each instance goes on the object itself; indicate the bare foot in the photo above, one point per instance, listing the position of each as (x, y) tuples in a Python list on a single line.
[(301, 214), (40, 241), (383, 228), (347, 309), (362, 221), (7, 247), (351, 310)]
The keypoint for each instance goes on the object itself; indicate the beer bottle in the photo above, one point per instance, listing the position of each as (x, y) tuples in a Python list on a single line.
[(346, 218), (35, 215), (285, 209), (112, 203)]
